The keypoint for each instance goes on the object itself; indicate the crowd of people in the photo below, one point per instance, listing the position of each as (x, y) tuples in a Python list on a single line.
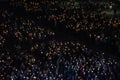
[(57, 60), (30, 50)]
